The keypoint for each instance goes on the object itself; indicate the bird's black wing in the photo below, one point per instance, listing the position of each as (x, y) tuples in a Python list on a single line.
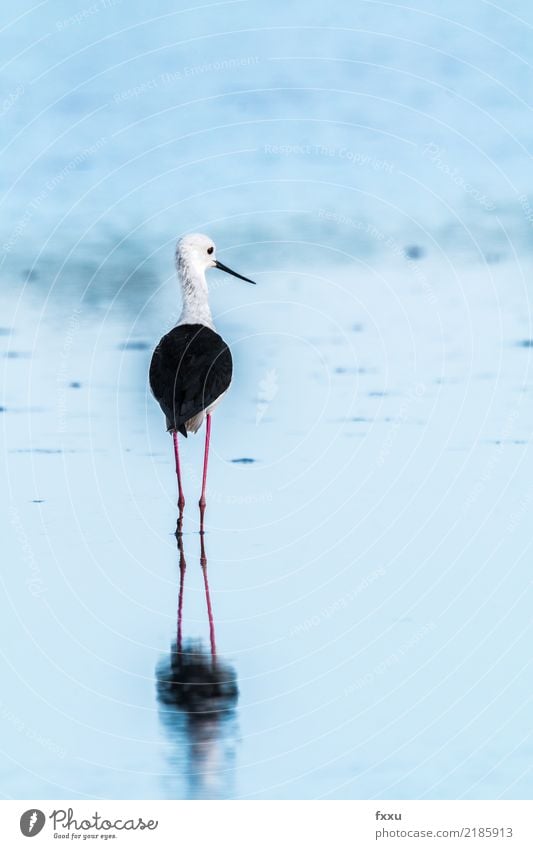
[(191, 367)]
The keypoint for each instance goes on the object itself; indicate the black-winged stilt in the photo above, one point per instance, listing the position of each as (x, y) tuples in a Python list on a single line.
[(191, 366)]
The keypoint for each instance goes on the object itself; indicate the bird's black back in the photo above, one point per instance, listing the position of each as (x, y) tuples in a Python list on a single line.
[(191, 367)]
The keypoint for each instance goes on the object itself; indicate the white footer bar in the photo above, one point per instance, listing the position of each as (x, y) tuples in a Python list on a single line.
[(268, 824)]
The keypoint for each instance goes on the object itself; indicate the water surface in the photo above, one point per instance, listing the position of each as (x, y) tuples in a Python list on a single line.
[(368, 535)]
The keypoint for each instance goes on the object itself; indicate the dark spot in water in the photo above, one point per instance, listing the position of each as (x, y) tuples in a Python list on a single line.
[(75, 384), (377, 394), (243, 460), (359, 419), (492, 258), (525, 343), (2, 409), (414, 252), (134, 346), (508, 441), (30, 274), (38, 501), (354, 370), (357, 328), (17, 355), (5, 331)]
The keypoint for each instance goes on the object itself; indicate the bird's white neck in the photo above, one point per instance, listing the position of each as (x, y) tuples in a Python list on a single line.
[(195, 298)]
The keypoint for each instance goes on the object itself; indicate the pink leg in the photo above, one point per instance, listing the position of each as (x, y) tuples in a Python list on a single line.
[(204, 478), (181, 498), (183, 567)]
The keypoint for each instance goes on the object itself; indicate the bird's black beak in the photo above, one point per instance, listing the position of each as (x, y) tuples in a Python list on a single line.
[(229, 271)]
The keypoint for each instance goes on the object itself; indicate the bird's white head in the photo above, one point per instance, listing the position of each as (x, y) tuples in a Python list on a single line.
[(195, 254)]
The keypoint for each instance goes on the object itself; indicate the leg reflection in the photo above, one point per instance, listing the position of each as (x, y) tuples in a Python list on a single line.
[(198, 693), (212, 638)]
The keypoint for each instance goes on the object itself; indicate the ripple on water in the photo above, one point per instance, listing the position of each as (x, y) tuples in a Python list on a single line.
[(39, 451), (134, 346), (355, 370)]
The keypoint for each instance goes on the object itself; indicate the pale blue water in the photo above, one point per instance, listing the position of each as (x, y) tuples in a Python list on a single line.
[(369, 165)]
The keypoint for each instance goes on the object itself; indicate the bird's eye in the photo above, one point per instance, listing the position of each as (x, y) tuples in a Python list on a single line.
[(210, 250)]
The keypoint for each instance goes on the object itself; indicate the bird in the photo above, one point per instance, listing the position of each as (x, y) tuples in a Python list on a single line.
[(191, 367)]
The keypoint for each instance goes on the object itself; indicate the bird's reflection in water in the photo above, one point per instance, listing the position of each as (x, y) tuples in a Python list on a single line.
[(198, 693)]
